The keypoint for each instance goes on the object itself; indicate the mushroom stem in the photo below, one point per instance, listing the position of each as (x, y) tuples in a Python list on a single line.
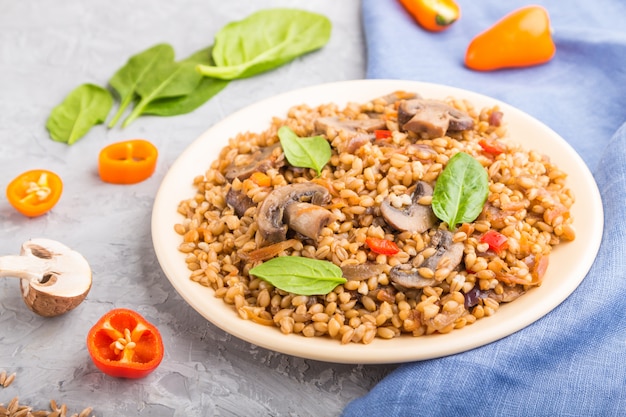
[(29, 268)]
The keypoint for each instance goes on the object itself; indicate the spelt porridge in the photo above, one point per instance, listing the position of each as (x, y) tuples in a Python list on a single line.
[(369, 211)]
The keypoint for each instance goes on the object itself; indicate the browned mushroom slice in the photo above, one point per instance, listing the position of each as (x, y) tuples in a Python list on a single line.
[(448, 254), (362, 272), (413, 218), (239, 201), (260, 160), (271, 214), (399, 95), (408, 276), (323, 124), (306, 218), (356, 132), (509, 293), (431, 118), (356, 141)]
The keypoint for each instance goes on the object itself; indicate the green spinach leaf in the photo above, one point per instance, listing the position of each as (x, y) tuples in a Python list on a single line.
[(461, 190), (265, 40), (172, 80), (205, 90), (139, 67), (298, 275), (84, 107), (309, 152)]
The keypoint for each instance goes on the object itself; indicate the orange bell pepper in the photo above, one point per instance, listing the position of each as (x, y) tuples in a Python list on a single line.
[(433, 15), (34, 192), (520, 39), (127, 162), (123, 344)]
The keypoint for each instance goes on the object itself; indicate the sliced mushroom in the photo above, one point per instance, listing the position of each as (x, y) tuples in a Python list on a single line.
[(362, 272), (448, 254), (509, 293), (356, 141), (474, 296), (323, 124), (357, 132), (408, 276), (261, 160), (271, 215), (306, 218), (239, 201), (413, 218), (431, 118), (55, 278), (399, 95)]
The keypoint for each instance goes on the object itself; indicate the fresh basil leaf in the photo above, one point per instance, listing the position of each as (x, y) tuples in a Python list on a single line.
[(140, 66), (461, 190), (84, 107), (298, 275), (309, 152), (265, 40), (205, 90)]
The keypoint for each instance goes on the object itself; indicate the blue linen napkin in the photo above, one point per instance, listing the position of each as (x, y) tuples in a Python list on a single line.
[(572, 362)]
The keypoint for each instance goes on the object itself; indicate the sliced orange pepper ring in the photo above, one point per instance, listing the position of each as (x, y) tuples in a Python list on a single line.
[(123, 344), (127, 162), (35, 192)]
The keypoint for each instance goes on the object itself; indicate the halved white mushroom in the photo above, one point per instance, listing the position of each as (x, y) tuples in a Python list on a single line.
[(55, 278)]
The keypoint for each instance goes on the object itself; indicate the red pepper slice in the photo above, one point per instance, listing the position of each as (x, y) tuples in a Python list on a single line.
[(123, 344), (35, 192), (496, 241), (127, 162), (382, 134), (382, 246), (491, 146)]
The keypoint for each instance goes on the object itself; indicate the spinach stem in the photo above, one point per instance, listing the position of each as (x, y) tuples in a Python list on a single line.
[(123, 105), (135, 113)]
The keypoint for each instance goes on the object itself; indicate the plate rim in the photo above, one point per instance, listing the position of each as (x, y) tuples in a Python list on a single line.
[(379, 351)]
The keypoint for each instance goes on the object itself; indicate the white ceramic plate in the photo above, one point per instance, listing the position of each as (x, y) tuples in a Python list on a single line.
[(569, 262)]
